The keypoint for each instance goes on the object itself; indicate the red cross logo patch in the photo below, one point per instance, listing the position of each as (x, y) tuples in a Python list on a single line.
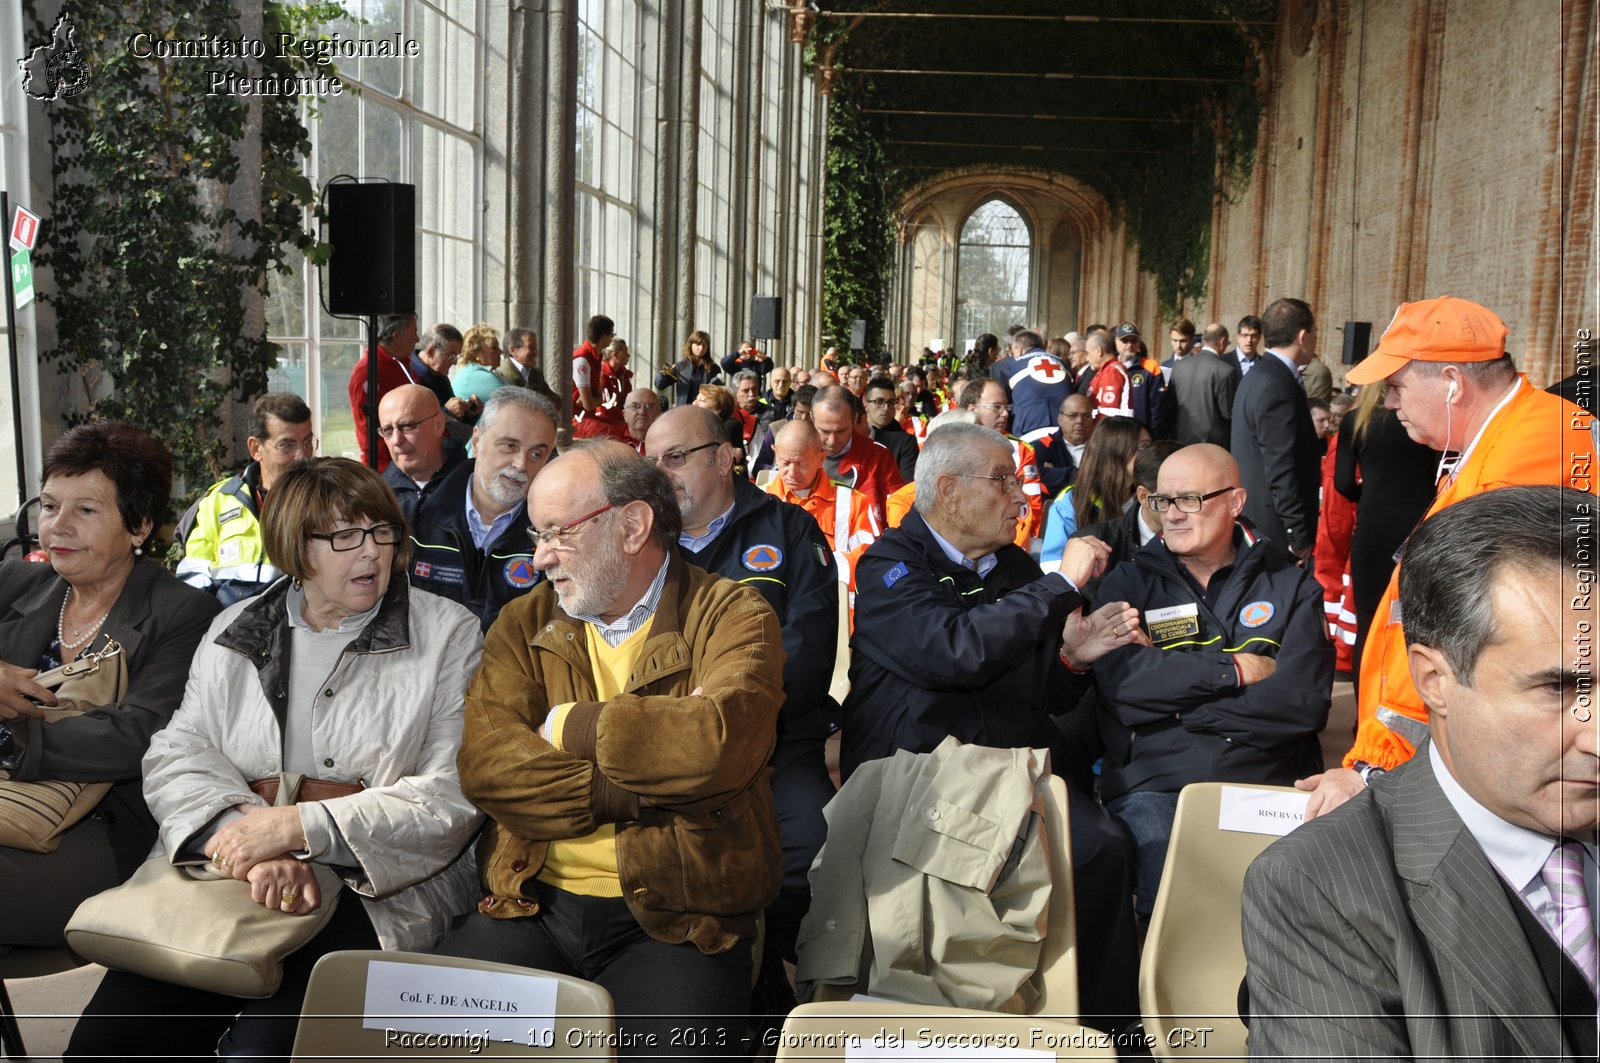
[(1045, 369)]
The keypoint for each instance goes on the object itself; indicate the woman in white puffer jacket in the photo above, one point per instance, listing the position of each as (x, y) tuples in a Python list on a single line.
[(342, 674)]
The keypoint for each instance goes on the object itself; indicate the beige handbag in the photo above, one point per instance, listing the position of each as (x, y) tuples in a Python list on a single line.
[(205, 933), (34, 815)]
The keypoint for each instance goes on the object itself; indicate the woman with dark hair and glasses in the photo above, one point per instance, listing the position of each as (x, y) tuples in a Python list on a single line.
[(342, 673), (106, 488)]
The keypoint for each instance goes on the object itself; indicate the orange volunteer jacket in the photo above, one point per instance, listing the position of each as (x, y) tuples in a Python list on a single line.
[(1535, 438)]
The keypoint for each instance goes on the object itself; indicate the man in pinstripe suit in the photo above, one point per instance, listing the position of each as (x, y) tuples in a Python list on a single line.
[(1447, 911)]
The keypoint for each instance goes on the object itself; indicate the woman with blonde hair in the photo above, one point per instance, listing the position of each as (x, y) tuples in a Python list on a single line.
[(475, 376)]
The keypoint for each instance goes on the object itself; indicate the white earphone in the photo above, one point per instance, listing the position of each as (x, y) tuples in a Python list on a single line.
[(1450, 393)]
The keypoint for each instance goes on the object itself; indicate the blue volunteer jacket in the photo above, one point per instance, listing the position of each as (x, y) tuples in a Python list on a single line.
[(445, 561), (778, 549), (1174, 713), (939, 651)]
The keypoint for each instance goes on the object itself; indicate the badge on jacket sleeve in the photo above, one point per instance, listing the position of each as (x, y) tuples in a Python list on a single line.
[(763, 557), (1257, 613), (1173, 622), (891, 577)]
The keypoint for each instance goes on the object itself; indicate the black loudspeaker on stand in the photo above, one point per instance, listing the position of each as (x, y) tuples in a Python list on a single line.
[(372, 229), (372, 268), (766, 318), (1357, 341)]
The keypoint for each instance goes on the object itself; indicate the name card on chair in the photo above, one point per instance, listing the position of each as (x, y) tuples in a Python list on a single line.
[(1250, 811), (457, 1001)]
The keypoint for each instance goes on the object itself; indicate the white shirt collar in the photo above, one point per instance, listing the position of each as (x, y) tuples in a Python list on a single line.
[(1516, 852), (1146, 533)]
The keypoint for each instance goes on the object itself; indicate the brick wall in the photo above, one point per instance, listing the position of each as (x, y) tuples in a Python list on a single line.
[(1423, 148)]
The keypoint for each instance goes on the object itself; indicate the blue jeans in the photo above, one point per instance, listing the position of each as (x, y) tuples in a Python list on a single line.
[(1148, 816)]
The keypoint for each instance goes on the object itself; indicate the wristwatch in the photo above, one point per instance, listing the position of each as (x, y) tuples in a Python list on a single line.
[(1368, 772)]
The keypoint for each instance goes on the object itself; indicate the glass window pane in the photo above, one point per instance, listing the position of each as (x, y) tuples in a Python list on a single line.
[(458, 185), (382, 137), (286, 300), (384, 23), (290, 372), (432, 64), (338, 424), (336, 136), (993, 268)]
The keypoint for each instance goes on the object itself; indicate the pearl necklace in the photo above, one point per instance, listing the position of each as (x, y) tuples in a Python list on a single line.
[(61, 622)]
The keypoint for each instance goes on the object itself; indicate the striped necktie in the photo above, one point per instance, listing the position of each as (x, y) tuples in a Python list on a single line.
[(1574, 922)]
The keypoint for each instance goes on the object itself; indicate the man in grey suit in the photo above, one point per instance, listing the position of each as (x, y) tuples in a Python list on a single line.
[(1447, 911), (1202, 391), (1273, 439)]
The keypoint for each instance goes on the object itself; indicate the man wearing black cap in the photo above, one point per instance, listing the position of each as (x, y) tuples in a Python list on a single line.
[(1144, 387)]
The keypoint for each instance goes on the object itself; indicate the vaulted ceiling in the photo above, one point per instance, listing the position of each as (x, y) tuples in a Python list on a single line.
[(1099, 89)]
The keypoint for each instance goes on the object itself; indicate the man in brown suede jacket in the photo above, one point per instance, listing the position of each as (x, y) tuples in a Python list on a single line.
[(617, 735)]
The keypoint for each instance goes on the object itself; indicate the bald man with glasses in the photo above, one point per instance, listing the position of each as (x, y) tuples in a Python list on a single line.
[(1231, 673), (412, 424)]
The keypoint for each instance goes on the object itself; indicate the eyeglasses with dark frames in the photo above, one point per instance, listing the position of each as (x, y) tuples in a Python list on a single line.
[(560, 538), (351, 538), (1189, 502)]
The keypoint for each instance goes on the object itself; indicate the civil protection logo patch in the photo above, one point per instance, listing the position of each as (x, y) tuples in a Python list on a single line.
[(763, 557), (1257, 613), (519, 572)]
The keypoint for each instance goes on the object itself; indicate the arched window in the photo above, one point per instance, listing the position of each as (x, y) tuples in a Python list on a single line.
[(994, 268)]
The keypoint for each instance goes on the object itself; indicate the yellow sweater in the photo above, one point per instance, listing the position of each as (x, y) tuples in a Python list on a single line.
[(588, 865)]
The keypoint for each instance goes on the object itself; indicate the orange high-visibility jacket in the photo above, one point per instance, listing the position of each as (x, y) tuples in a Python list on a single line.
[(1535, 438)]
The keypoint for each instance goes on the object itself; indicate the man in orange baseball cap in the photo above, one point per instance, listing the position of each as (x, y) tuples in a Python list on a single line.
[(1455, 389)]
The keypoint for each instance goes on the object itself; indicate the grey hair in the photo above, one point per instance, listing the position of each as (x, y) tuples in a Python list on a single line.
[(745, 374), (626, 477), (1453, 560), (516, 338), (523, 398), (441, 336), (954, 448), (1492, 373), (1100, 341)]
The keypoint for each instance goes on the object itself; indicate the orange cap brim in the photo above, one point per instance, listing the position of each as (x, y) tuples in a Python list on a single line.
[(1375, 367)]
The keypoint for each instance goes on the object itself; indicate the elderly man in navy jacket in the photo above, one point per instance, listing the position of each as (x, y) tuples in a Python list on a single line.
[(959, 632), (1234, 678)]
